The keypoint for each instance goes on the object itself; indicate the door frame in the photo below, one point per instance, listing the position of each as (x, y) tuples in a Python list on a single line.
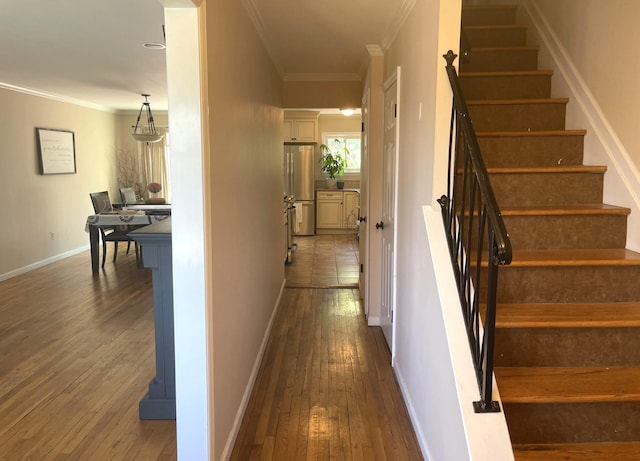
[(364, 200)]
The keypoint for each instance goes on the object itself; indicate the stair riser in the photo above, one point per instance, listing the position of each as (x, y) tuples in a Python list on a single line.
[(506, 87), (538, 151), (497, 37), (567, 347), (566, 232), (567, 422), (540, 189), (488, 16), (518, 117), (570, 284), (501, 60)]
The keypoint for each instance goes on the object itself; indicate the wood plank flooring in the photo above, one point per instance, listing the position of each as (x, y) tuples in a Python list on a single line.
[(76, 357), (77, 354), (325, 389), (324, 261)]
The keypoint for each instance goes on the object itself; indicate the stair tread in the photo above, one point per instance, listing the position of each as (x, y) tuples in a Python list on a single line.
[(550, 169), (559, 258), (506, 73), (490, 49), (487, 7), (487, 102), (568, 384), (486, 134), (593, 451), (495, 26), (568, 315), (588, 209)]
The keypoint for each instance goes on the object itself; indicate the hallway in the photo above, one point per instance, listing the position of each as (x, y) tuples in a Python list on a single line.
[(325, 389), (324, 261)]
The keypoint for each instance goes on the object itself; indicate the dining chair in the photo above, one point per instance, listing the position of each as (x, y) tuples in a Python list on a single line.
[(128, 196), (102, 203)]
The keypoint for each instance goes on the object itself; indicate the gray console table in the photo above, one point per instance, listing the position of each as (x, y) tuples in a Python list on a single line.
[(160, 401)]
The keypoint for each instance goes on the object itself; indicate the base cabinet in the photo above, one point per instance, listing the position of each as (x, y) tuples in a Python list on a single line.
[(329, 210), (337, 209), (351, 208)]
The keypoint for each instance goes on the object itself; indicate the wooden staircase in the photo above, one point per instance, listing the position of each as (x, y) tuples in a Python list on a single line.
[(568, 325)]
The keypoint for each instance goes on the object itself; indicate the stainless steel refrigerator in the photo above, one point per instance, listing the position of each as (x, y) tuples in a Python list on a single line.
[(299, 182)]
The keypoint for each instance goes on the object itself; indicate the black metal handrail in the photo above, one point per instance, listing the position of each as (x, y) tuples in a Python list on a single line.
[(477, 237)]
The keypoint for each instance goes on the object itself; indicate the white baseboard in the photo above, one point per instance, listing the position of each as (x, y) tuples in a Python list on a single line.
[(373, 321), (228, 448), (422, 441), (39, 264)]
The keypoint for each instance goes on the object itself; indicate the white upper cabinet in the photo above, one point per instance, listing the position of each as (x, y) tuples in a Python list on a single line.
[(300, 129)]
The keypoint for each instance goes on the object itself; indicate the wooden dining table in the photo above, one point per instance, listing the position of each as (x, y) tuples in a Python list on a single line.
[(136, 218)]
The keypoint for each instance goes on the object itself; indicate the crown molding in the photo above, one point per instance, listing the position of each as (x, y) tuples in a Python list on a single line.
[(254, 15), (258, 24), (180, 3), (375, 50), (301, 77), (394, 28), (55, 97)]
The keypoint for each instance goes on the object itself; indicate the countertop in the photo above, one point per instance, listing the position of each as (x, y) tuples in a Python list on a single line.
[(346, 189), (158, 230)]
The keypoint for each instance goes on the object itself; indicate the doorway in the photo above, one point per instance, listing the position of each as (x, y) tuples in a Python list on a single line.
[(330, 258)]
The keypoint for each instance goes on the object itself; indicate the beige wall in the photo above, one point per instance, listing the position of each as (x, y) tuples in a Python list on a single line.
[(601, 38), (425, 349), (321, 95), (59, 204), (245, 179)]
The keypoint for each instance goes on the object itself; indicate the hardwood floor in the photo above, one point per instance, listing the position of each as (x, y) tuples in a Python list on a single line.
[(76, 357), (324, 261), (325, 389)]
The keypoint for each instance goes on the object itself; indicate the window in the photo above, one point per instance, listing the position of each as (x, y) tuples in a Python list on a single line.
[(336, 143)]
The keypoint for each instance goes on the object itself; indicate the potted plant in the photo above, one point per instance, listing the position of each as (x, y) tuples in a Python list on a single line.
[(332, 163)]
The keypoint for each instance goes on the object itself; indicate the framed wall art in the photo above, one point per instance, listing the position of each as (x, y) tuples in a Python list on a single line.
[(56, 151)]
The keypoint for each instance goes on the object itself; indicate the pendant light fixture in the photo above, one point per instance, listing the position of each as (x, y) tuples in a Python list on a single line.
[(149, 133)]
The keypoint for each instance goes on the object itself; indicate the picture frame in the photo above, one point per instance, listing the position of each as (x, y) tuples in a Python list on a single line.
[(56, 151)]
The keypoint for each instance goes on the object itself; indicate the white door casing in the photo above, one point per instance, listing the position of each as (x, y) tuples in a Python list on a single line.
[(387, 226), (364, 206)]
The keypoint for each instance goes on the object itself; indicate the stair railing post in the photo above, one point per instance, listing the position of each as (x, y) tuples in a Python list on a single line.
[(469, 209)]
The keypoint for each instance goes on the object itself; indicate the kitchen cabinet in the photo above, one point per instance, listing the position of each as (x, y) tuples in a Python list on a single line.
[(300, 130), (337, 209), (351, 205), (329, 210)]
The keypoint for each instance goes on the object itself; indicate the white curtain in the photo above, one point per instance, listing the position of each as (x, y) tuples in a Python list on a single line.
[(155, 166)]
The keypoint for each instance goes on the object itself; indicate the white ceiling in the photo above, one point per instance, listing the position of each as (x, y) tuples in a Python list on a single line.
[(91, 50)]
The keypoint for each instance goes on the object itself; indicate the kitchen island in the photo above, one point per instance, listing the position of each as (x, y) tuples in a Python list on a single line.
[(160, 400)]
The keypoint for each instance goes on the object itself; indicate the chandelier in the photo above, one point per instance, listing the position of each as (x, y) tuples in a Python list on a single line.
[(149, 133)]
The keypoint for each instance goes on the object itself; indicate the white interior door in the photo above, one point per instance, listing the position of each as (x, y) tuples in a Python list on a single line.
[(363, 250), (387, 225)]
